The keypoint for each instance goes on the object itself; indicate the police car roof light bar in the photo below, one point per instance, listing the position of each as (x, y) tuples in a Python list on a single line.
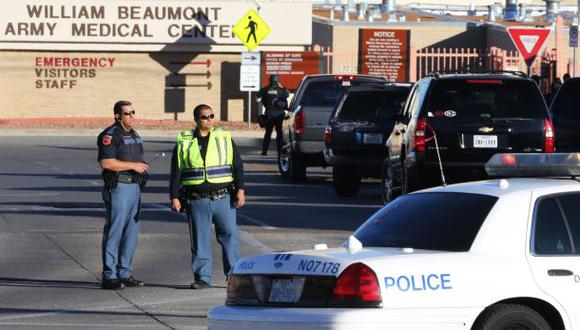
[(534, 165)]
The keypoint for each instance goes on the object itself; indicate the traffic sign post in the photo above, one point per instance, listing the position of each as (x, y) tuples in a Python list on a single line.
[(251, 30), (528, 41), (250, 77), (574, 45)]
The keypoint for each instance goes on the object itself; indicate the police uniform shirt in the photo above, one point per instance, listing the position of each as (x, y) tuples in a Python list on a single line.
[(115, 142), (206, 187), (269, 93)]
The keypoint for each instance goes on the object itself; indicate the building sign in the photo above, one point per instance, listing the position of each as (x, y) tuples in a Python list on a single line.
[(384, 53), (291, 67), (47, 24), (67, 72)]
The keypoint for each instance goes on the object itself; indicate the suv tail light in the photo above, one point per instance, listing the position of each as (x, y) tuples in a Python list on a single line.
[(419, 144), (299, 122), (549, 136), (357, 286), (327, 134)]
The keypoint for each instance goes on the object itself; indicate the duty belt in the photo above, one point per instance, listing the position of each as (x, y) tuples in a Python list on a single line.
[(213, 195), (125, 178)]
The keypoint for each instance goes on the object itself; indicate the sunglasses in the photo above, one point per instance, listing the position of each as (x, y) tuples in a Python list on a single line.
[(207, 117), (129, 113)]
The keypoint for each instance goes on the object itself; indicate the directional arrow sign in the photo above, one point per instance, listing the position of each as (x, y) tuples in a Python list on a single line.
[(249, 58), (529, 41)]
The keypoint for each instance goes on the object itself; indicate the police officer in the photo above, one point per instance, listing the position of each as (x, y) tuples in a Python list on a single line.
[(207, 175), (274, 99), (121, 158)]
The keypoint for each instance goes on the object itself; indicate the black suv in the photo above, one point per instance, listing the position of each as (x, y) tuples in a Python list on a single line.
[(357, 130), (304, 129), (463, 120), (567, 116)]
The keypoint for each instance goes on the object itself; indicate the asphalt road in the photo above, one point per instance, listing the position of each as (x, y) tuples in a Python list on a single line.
[(51, 219)]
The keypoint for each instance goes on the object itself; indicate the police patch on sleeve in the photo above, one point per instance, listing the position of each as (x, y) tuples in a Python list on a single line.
[(107, 139)]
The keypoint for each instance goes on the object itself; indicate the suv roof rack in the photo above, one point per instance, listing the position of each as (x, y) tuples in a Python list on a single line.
[(437, 74)]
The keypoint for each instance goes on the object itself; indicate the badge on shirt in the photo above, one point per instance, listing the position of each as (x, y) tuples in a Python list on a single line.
[(107, 140)]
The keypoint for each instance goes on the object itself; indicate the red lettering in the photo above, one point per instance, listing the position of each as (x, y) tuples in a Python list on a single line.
[(66, 61), (38, 61), (48, 61)]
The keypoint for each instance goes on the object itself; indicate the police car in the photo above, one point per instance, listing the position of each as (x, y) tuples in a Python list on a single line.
[(494, 254)]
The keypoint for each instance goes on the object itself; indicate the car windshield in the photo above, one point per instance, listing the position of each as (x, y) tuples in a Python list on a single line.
[(443, 221), (372, 105), (493, 99)]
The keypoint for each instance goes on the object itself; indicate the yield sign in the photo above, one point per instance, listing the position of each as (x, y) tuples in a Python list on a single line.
[(529, 41)]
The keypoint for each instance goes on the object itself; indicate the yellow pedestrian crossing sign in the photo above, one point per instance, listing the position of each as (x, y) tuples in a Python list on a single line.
[(251, 29)]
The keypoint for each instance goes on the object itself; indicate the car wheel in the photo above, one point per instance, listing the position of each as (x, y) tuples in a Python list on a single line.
[(284, 161), (511, 316), (291, 165), (391, 184), (346, 180)]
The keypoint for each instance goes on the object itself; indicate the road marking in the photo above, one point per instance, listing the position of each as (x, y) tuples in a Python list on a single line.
[(258, 222), (245, 236), (95, 183), (81, 325), (377, 206), (248, 238), (30, 195)]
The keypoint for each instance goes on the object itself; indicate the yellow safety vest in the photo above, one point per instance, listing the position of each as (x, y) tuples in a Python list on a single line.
[(219, 158)]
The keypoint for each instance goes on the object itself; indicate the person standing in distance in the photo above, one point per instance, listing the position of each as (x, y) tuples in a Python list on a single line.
[(121, 158), (207, 174), (274, 99)]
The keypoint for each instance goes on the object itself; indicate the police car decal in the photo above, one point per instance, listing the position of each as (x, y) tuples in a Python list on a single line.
[(317, 266), (577, 278), (418, 282), (295, 264)]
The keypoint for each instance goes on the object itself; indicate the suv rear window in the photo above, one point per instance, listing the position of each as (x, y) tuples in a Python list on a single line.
[(326, 93), (372, 105), (495, 99), (442, 221), (322, 93)]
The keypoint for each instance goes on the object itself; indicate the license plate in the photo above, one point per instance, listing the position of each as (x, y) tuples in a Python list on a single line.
[(372, 138), (286, 290), (485, 141)]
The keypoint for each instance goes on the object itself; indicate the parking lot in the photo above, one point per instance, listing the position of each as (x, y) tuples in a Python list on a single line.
[(51, 219)]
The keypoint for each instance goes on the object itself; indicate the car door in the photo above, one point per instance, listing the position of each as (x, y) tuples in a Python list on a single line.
[(567, 117), (395, 140), (555, 250)]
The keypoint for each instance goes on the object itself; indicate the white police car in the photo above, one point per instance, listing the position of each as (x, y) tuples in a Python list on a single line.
[(495, 254)]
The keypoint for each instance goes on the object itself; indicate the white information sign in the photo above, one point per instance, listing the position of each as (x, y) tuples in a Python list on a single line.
[(250, 78)]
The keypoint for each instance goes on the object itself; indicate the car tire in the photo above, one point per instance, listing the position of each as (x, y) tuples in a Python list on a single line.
[(511, 316), (290, 165), (390, 184), (346, 180)]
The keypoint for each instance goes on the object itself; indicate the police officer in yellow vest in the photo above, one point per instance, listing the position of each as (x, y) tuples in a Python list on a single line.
[(207, 175)]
